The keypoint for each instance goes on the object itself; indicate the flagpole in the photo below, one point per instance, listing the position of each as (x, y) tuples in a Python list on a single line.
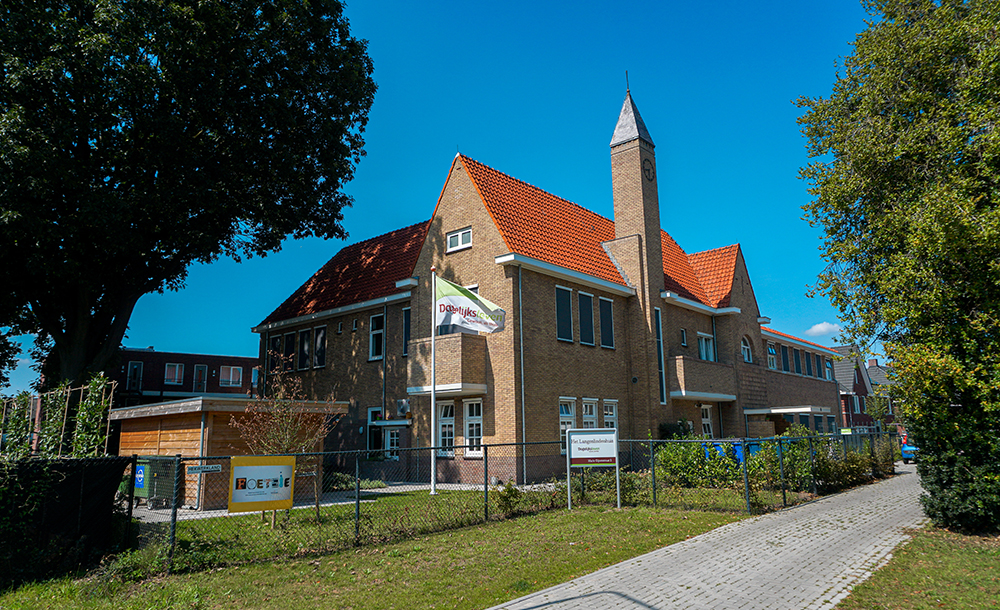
[(433, 382)]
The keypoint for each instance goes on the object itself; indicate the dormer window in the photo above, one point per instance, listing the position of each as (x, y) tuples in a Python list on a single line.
[(459, 240)]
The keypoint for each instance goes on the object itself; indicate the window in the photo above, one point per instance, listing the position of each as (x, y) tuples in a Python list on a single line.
[(856, 403), (564, 314), (274, 354), (459, 240), (376, 337), (809, 363), (174, 374), (798, 361), (446, 428), (201, 378), (804, 419), (354, 325), (819, 367), (772, 356), (607, 322), (706, 347), (610, 414), (305, 346), (474, 428), (829, 370), (706, 421), (589, 413), (288, 355), (661, 369), (784, 358), (230, 376), (406, 331), (684, 337), (392, 443), (319, 352), (586, 303), (818, 420), (340, 327), (831, 424), (745, 350), (134, 381), (376, 435), (567, 420)]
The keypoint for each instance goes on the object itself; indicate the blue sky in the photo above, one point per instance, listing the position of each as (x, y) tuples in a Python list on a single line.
[(533, 89)]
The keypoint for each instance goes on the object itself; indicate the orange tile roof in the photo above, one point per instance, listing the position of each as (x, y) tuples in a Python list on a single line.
[(359, 272), (715, 269), (794, 338)]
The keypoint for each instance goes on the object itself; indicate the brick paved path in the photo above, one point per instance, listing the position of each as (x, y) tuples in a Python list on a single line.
[(807, 557)]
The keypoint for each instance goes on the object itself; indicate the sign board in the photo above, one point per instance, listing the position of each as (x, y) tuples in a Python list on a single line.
[(261, 483), (140, 476), (590, 447), (205, 468), (845, 430)]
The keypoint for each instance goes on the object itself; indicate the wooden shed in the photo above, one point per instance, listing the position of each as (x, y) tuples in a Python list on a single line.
[(200, 427)]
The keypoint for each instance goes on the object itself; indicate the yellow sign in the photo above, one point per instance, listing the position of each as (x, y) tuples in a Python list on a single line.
[(261, 483)]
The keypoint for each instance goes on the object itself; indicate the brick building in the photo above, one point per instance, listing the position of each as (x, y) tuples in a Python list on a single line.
[(147, 376), (609, 323)]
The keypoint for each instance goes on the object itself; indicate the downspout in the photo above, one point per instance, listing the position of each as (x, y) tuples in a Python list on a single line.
[(715, 341), (520, 331), (385, 352)]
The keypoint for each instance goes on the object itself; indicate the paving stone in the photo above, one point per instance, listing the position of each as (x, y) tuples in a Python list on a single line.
[(808, 556)]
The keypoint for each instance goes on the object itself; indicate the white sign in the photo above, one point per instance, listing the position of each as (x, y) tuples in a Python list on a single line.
[(592, 447)]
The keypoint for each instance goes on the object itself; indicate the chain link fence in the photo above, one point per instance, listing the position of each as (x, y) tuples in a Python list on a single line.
[(347, 499)]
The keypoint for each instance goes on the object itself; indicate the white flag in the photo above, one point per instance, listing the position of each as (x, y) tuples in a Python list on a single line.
[(465, 310)]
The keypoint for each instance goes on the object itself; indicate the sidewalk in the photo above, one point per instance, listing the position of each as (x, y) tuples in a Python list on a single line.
[(806, 557)]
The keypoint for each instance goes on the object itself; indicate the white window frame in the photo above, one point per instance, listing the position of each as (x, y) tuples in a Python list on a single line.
[(390, 444), (772, 356), (473, 420), (746, 350), (446, 422), (589, 411), (856, 403), (376, 336), (567, 419), (706, 347), (340, 327), (829, 370), (610, 334), (226, 376), (684, 337), (463, 240), (610, 413), (593, 328), (707, 430), (178, 376)]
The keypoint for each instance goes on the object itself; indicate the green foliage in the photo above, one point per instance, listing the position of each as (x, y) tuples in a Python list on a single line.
[(90, 432), (670, 430), (341, 481), (907, 192), (507, 497), (54, 406), (17, 426), (138, 137)]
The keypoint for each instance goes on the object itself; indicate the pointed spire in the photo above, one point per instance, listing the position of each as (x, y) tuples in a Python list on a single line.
[(630, 125)]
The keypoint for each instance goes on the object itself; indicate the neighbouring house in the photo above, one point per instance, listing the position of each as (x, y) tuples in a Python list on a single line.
[(147, 376), (856, 392), (880, 377), (609, 324)]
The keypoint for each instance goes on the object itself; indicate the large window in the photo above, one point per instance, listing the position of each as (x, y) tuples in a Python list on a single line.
[(798, 361), (406, 331), (784, 358), (567, 420), (474, 428), (392, 444), (376, 337), (446, 428), (819, 368), (809, 363), (706, 347), (610, 414), (660, 366), (746, 350), (230, 376), (305, 349), (829, 370), (274, 354), (589, 413), (772, 356), (174, 374), (607, 322), (564, 314), (319, 353), (459, 240), (586, 302), (288, 354)]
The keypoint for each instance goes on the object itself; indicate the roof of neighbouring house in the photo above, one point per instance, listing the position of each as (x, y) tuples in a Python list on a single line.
[(844, 369), (533, 223), (825, 350)]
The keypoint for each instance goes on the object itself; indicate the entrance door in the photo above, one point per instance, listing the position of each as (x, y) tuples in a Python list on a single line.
[(200, 378), (706, 421), (134, 380)]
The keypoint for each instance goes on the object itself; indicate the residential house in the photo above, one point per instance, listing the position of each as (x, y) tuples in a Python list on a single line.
[(147, 376), (855, 390), (609, 324)]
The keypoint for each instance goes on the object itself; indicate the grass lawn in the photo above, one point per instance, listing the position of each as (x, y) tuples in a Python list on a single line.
[(473, 567), (936, 569)]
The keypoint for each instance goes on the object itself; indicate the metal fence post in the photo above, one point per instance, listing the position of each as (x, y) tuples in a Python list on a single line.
[(173, 512), (486, 483), (746, 475), (652, 469), (781, 472), (812, 465), (357, 498)]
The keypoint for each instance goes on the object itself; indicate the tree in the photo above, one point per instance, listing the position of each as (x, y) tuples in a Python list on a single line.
[(906, 180), (140, 136)]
